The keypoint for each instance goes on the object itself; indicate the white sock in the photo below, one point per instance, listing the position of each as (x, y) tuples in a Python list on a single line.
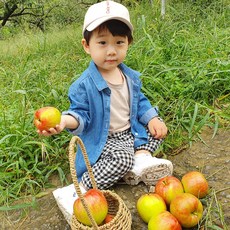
[(65, 198)]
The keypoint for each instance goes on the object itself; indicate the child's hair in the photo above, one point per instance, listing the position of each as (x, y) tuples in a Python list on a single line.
[(115, 27)]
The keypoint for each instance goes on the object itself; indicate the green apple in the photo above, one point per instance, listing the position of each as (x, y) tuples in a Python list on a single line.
[(164, 221), (46, 118), (194, 182), (149, 205), (188, 209), (168, 188)]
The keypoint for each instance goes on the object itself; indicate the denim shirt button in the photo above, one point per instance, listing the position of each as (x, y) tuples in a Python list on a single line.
[(136, 134)]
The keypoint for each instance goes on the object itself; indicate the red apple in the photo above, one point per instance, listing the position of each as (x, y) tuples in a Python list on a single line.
[(108, 218), (149, 205), (195, 183), (187, 208), (168, 188), (164, 221), (46, 118), (97, 205)]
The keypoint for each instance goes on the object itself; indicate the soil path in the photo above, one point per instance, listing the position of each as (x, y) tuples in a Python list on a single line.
[(211, 156)]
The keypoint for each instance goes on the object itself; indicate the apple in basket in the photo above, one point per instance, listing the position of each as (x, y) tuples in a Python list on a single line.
[(46, 118), (97, 204), (108, 218)]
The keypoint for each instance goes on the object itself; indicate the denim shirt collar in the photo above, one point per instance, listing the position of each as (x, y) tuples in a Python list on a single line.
[(96, 77), (129, 72), (98, 80)]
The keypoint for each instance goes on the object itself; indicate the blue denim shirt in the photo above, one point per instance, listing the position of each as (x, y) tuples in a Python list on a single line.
[(89, 99)]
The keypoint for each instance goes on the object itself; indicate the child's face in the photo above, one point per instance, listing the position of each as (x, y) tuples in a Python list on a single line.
[(106, 50)]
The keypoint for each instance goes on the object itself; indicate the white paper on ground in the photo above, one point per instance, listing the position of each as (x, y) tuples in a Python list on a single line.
[(65, 198)]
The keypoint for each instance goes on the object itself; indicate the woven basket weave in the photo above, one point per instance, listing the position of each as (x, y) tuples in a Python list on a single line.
[(122, 217)]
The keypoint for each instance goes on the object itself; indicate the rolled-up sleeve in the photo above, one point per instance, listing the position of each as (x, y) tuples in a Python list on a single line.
[(80, 127), (147, 116)]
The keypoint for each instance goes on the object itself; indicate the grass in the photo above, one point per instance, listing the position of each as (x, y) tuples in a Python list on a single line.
[(185, 63), (213, 217)]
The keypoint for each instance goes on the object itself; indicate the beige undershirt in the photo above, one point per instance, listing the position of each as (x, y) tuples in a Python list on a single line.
[(119, 107)]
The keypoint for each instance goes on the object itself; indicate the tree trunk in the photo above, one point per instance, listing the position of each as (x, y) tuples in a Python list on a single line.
[(8, 13)]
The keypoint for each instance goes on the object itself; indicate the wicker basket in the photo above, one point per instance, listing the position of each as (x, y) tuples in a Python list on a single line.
[(122, 217)]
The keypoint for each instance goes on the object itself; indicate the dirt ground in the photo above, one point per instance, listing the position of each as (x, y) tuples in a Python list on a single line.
[(211, 156)]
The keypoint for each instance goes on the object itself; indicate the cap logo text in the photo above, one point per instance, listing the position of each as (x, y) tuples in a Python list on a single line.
[(108, 7)]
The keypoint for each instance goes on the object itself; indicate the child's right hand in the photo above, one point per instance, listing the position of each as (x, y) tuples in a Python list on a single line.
[(67, 121), (52, 131)]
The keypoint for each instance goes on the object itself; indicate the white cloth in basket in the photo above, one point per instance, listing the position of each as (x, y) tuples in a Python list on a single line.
[(65, 198)]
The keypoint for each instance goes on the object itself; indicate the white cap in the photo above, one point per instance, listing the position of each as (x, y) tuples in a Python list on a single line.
[(104, 11)]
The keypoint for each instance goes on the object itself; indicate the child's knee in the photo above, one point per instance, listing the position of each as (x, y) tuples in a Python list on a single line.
[(125, 161)]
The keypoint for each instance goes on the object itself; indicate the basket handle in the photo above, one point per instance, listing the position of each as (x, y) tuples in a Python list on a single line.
[(72, 157)]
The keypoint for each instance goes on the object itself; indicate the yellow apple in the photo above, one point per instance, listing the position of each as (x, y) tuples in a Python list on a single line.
[(149, 205), (46, 118)]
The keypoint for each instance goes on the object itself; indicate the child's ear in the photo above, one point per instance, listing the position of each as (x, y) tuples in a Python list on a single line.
[(85, 46)]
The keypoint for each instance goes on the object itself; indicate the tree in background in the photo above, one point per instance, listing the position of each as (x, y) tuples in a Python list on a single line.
[(40, 13), (33, 12)]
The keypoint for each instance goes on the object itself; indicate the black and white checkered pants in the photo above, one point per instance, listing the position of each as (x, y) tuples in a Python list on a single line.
[(117, 158)]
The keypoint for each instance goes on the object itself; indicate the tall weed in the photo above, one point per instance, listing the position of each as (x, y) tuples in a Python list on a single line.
[(185, 63)]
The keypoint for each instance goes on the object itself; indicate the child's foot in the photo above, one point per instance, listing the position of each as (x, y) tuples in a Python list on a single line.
[(148, 169), (65, 198)]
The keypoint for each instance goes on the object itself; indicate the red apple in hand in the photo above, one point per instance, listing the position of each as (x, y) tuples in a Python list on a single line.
[(97, 204), (149, 205), (46, 118), (187, 208), (164, 221), (195, 183), (168, 188)]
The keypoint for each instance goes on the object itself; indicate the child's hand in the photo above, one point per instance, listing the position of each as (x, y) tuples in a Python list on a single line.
[(157, 128), (67, 121), (51, 131), (56, 130)]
